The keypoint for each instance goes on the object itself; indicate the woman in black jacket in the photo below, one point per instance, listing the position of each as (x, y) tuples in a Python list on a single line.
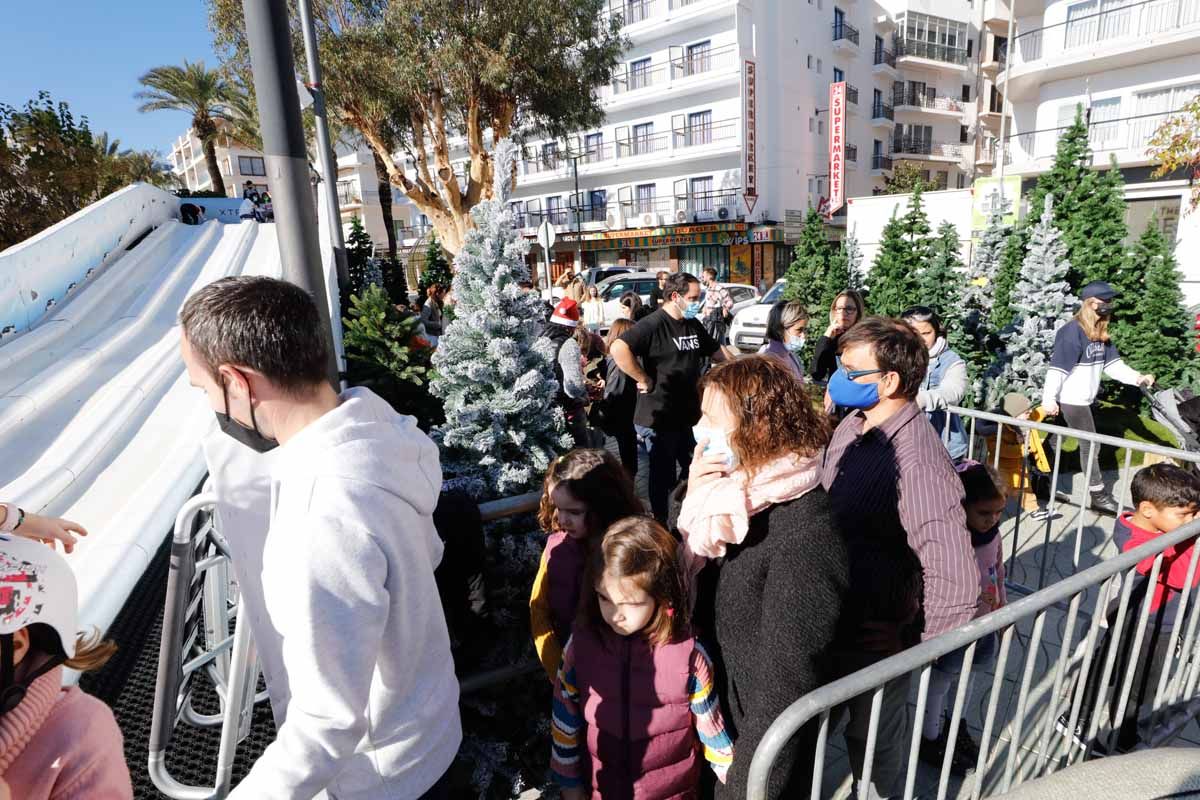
[(615, 415), (846, 311), (770, 599)]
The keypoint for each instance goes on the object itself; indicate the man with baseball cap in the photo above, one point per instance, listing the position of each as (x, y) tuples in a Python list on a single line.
[(1083, 350), (568, 368)]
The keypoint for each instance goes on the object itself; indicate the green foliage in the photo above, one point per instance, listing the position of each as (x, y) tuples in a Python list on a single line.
[(1013, 256), (905, 250), (436, 270), (1175, 146), (1095, 234), (51, 165), (942, 283), (905, 178), (807, 277), (384, 353), (1065, 178), (979, 289), (1161, 340), (395, 282), (358, 258)]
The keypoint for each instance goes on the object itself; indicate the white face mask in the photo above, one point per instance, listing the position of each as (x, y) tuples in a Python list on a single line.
[(718, 443)]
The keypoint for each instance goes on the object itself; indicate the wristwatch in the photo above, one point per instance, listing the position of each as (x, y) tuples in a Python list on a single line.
[(13, 517)]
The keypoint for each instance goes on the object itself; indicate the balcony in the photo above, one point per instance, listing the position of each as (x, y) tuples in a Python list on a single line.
[(1126, 137), (409, 233), (707, 206), (852, 96), (676, 72), (852, 155), (882, 114), (643, 145), (929, 51), (542, 164), (632, 80), (923, 148), (348, 195), (634, 12), (880, 163), (884, 61), (912, 101), (845, 36), (699, 135)]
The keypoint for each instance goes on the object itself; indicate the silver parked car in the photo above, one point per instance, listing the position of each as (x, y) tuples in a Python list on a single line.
[(749, 329)]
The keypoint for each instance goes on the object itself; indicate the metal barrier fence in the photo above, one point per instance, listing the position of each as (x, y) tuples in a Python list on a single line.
[(992, 448), (201, 603), (1020, 742)]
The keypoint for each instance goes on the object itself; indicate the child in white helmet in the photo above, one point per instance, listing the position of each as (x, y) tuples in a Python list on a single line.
[(55, 743)]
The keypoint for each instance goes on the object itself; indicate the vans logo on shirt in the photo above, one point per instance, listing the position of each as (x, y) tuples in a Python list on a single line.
[(689, 342)]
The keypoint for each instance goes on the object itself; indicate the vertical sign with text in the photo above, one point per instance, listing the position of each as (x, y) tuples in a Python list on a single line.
[(750, 141), (837, 147)]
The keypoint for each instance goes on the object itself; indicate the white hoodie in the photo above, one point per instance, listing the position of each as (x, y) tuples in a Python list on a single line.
[(348, 581)]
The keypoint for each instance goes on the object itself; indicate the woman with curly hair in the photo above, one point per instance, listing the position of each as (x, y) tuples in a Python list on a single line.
[(778, 572)]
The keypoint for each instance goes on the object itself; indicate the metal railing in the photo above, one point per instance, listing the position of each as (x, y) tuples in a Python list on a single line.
[(1129, 22), (881, 162), (925, 147), (882, 110), (844, 31), (931, 51), (723, 204), (1060, 688), (1126, 133), (196, 643), (852, 153), (631, 12), (927, 99), (700, 134), (704, 61), (642, 145), (851, 94), (884, 58)]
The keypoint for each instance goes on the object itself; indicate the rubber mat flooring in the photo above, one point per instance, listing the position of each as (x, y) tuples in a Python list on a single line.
[(127, 684)]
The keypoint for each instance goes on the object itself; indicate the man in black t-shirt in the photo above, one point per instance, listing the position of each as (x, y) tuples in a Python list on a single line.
[(656, 294), (673, 348)]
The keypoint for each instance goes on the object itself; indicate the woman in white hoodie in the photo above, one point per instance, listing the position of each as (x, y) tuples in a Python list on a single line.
[(370, 696)]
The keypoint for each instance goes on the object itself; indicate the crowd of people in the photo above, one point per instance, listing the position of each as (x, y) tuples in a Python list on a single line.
[(787, 543)]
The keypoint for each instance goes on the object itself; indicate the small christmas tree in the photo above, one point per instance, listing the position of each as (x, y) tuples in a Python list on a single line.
[(1065, 178), (844, 273), (854, 260), (1096, 232), (1044, 303), (905, 250), (495, 375), (1161, 342), (436, 270), (806, 278), (941, 281), (919, 233), (1016, 247), (978, 294), (395, 282), (358, 256)]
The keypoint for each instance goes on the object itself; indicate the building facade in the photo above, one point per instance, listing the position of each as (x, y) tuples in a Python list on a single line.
[(238, 164)]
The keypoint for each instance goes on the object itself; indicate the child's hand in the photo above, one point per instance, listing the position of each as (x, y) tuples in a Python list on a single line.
[(49, 530)]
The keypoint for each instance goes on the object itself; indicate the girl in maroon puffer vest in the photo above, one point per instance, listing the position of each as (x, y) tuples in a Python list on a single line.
[(634, 704), (585, 492)]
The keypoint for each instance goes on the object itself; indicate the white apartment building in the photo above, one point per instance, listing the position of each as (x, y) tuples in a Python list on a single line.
[(238, 164), (1130, 64), (664, 182)]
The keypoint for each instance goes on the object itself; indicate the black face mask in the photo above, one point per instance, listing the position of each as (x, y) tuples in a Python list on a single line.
[(251, 437), (1104, 310)]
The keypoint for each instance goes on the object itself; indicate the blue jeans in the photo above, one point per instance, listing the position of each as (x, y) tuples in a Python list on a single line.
[(667, 449)]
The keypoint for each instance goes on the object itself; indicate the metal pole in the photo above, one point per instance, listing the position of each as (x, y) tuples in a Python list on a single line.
[(1008, 59), (578, 204), (269, 37), (324, 145)]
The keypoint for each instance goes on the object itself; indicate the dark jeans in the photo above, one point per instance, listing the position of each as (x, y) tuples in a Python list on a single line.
[(1080, 418), (627, 447), (577, 426), (668, 449)]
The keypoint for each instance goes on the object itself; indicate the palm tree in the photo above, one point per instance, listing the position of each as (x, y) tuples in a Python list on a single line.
[(202, 93)]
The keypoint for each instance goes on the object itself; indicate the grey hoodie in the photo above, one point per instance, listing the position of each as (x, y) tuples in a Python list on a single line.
[(372, 709)]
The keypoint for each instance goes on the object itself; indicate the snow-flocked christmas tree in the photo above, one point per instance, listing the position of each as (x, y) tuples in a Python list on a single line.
[(495, 374), (978, 291), (1044, 303)]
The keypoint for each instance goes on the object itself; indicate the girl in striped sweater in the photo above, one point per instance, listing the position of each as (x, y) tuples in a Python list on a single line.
[(634, 707)]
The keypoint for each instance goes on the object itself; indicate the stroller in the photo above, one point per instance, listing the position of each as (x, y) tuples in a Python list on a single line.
[(1178, 410)]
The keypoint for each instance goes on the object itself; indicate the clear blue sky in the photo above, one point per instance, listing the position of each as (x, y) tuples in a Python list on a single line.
[(90, 53)]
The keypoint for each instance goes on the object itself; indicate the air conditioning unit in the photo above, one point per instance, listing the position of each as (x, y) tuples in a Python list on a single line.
[(723, 212), (615, 218), (681, 216), (649, 219)]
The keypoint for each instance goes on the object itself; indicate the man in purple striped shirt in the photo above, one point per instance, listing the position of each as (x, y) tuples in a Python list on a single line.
[(886, 464)]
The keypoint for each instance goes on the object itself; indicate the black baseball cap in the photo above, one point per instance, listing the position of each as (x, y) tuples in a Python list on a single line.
[(1097, 289)]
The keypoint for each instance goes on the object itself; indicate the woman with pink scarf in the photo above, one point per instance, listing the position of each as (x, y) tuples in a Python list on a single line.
[(769, 567)]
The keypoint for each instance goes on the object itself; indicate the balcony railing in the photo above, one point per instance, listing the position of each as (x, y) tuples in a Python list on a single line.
[(886, 57), (926, 99), (924, 147), (879, 161), (1128, 23), (721, 204), (631, 12), (698, 135), (1130, 134), (642, 145), (845, 31), (704, 61), (542, 163), (882, 110), (348, 195), (852, 153), (631, 80), (851, 94), (597, 153), (931, 51), (412, 231)]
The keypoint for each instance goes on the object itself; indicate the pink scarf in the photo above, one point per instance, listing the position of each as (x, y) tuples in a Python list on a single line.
[(18, 726), (717, 514)]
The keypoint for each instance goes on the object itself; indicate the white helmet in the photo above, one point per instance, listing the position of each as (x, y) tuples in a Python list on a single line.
[(37, 585)]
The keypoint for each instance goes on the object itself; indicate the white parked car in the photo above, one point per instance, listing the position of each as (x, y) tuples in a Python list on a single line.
[(749, 329), (611, 290), (592, 276)]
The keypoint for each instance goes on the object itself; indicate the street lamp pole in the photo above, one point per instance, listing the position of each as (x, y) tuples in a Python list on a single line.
[(578, 203)]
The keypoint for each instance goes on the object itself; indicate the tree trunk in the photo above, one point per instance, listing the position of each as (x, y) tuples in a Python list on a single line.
[(214, 169), (385, 204)]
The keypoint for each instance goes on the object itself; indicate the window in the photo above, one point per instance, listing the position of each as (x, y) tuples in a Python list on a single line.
[(1153, 107), (555, 211), (550, 155), (812, 185), (593, 147), (810, 61), (912, 28), (700, 191), (698, 58), (251, 165), (876, 148), (820, 127), (812, 124), (966, 92), (639, 74), (943, 179), (818, 66), (597, 205), (699, 128), (643, 140), (839, 19), (645, 198), (962, 134), (878, 48), (839, 75), (876, 98), (961, 181), (1103, 130)]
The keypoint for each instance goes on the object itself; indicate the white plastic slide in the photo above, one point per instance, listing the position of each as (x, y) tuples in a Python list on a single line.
[(98, 422)]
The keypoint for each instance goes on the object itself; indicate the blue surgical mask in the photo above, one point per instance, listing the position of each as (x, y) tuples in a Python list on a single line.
[(692, 310), (717, 443), (795, 345), (851, 394)]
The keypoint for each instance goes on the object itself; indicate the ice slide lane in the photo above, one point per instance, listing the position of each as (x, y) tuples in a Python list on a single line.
[(101, 425)]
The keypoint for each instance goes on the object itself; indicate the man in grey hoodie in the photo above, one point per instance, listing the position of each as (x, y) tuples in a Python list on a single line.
[(348, 566)]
